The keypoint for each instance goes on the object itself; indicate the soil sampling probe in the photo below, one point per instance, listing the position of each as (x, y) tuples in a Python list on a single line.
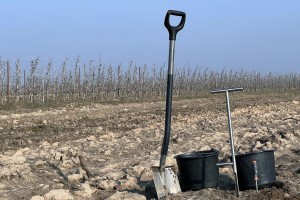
[(233, 163), (165, 180)]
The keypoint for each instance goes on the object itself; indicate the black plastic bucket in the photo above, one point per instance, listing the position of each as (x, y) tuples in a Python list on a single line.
[(265, 169), (198, 170)]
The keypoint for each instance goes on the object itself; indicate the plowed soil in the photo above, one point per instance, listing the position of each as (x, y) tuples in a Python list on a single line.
[(105, 151)]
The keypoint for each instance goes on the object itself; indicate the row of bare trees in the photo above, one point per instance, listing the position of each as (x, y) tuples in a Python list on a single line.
[(76, 81)]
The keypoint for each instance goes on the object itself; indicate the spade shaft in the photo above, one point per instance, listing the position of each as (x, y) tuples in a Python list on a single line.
[(166, 140)]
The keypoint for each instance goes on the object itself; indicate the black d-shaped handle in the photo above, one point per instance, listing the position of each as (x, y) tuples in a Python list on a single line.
[(173, 30)]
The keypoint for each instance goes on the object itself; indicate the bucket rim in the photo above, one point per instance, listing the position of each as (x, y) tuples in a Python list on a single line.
[(254, 152), (197, 154)]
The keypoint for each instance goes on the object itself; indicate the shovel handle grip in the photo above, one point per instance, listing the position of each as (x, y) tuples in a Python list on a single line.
[(228, 90), (173, 30)]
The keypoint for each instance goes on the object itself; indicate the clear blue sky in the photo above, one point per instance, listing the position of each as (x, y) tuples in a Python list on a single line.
[(258, 34)]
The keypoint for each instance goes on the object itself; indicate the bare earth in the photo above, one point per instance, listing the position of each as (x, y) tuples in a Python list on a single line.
[(105, 151)]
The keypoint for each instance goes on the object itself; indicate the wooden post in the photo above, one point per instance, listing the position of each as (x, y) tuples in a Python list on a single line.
[(8, 81), (139, 92), (119, 81), (24, 92), (79, 83)]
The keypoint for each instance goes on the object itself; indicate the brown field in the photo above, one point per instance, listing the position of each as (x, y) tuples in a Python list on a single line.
[(99, 151)]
